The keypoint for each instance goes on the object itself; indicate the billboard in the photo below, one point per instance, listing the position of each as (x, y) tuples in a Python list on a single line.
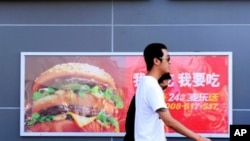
[(88, 94)]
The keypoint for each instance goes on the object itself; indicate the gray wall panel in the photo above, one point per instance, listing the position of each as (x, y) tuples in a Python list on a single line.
[(241, 117), (55, 38), (55, 12), (183, 38), (181, 12), (9, 124)]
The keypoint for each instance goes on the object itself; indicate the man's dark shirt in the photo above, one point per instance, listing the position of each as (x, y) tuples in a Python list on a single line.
[(130, 121)]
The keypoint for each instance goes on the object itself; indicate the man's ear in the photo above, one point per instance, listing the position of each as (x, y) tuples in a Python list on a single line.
[(157, 61)]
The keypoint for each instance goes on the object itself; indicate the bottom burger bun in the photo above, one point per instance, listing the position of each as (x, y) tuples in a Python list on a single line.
[(70, 126), (74, 94)]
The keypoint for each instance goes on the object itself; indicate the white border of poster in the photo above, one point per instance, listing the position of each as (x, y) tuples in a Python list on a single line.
[(121, 134)]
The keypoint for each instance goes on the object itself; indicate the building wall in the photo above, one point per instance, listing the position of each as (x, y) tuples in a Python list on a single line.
[(119, 26)]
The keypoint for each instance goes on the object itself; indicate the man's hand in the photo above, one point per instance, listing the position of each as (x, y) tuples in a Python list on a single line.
[(204, 139)]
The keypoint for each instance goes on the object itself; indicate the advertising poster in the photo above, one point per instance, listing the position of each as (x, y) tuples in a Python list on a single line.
[(88, 94)]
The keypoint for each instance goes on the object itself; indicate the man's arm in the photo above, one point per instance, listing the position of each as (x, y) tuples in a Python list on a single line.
[(177, 126)]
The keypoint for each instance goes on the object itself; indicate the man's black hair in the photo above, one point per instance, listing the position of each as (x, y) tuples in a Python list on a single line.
[(164, 77)]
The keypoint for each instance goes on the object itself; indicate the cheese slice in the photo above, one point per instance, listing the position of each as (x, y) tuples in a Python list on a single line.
[(82, 121)]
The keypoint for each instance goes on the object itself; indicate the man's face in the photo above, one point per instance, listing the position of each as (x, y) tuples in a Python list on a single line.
[(165, 61)]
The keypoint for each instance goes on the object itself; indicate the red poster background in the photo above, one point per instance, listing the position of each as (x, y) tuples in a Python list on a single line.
[(202, 116)]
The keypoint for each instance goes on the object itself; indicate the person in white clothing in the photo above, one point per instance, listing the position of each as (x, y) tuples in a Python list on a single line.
[(151, 110)]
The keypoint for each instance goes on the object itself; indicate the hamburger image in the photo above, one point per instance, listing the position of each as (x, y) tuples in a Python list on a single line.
[(73, 97)]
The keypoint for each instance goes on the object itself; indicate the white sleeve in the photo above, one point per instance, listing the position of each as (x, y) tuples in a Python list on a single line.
[(155, 97)]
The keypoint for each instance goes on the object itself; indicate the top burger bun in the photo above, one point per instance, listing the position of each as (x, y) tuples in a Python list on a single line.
[(76, 70)]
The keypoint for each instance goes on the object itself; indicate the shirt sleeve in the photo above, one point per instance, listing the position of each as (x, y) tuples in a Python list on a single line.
[(155, 97)]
